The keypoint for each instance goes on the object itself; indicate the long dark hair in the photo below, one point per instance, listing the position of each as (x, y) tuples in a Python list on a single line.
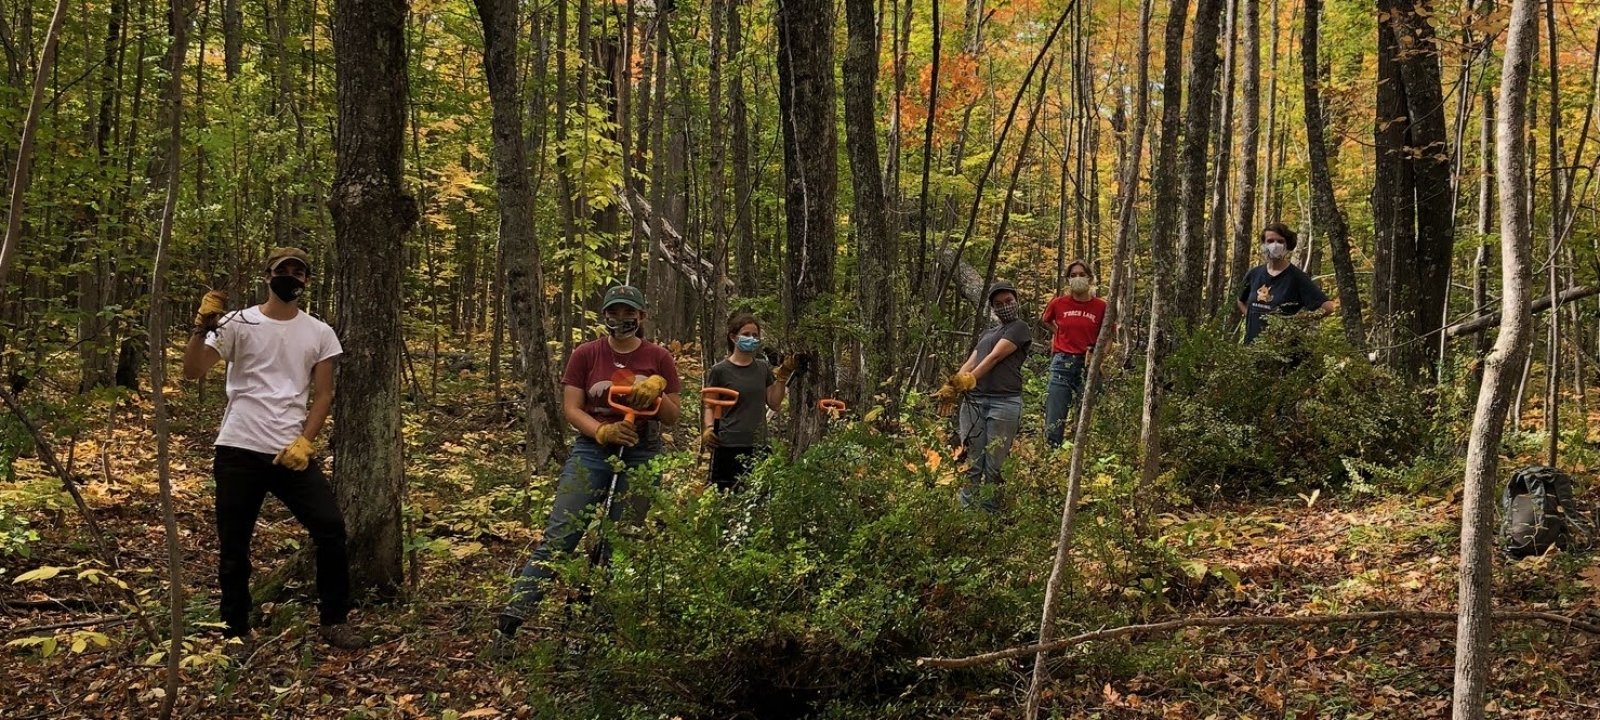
[(739, 320)]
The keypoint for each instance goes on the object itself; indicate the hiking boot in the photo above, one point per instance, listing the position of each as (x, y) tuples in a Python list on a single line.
[(343, 636), (502, 647)]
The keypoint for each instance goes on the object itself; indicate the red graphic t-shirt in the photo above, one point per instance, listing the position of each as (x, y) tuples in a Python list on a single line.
[(1077, 323), (594, 363)]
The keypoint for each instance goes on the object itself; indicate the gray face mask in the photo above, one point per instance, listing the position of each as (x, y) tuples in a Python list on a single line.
[(1008, 312), (1078, 284), (1275, 250)]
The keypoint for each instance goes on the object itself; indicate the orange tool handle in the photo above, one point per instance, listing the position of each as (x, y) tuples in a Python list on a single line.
[(719, 398), (832, 406), (629, 412)]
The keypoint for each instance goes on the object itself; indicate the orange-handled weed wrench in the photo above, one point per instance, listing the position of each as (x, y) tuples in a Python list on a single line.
[(602, 549), (832, 407), (719, 399)]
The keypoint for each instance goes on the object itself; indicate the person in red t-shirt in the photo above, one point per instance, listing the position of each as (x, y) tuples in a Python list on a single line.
[(1075, 320), (603, 435)]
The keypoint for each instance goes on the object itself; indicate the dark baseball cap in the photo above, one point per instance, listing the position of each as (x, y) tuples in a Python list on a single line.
[(623, 295), (1003, 286), (282, 255)]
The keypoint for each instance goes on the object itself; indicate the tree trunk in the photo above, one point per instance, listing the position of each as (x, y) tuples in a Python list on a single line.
[(1499, 378), (806, 101), (1427, 278), (21, 178), (524, 270), (1250, 104), (1121, 274), (178, 19), (1192, 236), (744, 228), (1324, 208), (1164, 258), (877, 261), (371, 215), (1217, 246)]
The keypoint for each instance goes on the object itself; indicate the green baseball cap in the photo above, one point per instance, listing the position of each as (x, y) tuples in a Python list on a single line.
[(623, 295)]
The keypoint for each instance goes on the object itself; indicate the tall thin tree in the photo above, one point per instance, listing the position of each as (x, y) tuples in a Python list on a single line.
[(1475, 594)]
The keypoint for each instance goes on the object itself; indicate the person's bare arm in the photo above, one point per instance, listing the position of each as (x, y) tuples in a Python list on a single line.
[(321, 398), (775, 394), (671, 409), (572, 410), (1001, 350), (1240, 306), (198, 357), (972, 362)]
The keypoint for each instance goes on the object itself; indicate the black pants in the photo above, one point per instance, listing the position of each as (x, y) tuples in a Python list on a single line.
[(729, 465), (243, 479)]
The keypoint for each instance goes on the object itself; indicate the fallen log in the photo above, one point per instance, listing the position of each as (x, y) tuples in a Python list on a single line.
[(1258, 621), (671, 247), (1481, 324)]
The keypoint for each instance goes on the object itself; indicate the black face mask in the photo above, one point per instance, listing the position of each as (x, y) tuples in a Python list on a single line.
[(286, 287), (622, 329)]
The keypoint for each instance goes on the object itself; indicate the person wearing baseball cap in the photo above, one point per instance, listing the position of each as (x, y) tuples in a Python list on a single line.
[(989, 386), (622, 357), (279, 357)]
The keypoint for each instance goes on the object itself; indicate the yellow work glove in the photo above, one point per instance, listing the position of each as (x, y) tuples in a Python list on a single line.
[(617, 433), (297, 456), (646, 391), (708, 439), (963, 381), (212, 307), (786, 370)]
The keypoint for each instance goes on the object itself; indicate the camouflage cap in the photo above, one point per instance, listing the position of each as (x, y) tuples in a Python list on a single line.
[(284, 254)]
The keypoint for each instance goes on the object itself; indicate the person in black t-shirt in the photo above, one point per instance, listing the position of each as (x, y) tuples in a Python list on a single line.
[(1277, 287)]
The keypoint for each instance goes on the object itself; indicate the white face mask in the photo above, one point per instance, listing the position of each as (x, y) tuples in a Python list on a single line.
[(1274, 250), (1078, 285)]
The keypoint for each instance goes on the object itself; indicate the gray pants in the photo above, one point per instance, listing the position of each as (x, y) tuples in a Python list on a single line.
[(987, 426)]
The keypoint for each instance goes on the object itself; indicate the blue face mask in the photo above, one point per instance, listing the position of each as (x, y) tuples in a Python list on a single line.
[(747, 343)]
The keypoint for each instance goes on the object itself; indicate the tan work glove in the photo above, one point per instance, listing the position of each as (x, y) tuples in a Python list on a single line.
[(646, 391), (786, 370), (948, 395), (212, 308), (708, 439), (617, 433), (297, 456)]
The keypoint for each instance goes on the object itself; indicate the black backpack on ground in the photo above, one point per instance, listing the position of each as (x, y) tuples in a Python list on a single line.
[(1538, 511)]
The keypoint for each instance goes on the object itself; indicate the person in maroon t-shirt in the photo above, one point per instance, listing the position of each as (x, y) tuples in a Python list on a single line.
[(621, 358), (1075, 320)]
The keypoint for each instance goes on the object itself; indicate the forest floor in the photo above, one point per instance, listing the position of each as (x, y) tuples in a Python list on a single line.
[(1280, 557)]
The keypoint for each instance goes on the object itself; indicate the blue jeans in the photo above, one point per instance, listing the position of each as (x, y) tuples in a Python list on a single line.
[(585, 480), (1065, 388), (987, 426)]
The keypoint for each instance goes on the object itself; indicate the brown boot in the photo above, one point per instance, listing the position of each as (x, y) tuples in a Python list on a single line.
[(343, 636)]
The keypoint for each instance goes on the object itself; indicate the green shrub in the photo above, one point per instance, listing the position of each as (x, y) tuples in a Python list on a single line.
[(1299, 408), (816, 588)]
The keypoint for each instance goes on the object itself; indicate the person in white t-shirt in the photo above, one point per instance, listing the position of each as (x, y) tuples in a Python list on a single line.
[(278, 357)]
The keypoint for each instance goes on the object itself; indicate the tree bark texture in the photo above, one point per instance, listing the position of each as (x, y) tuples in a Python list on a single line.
[(1202, 82), (371, 215), (524, 269), (1250, 107), (1325, 214), (877, 262), (1475, 595), (806, 103)]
